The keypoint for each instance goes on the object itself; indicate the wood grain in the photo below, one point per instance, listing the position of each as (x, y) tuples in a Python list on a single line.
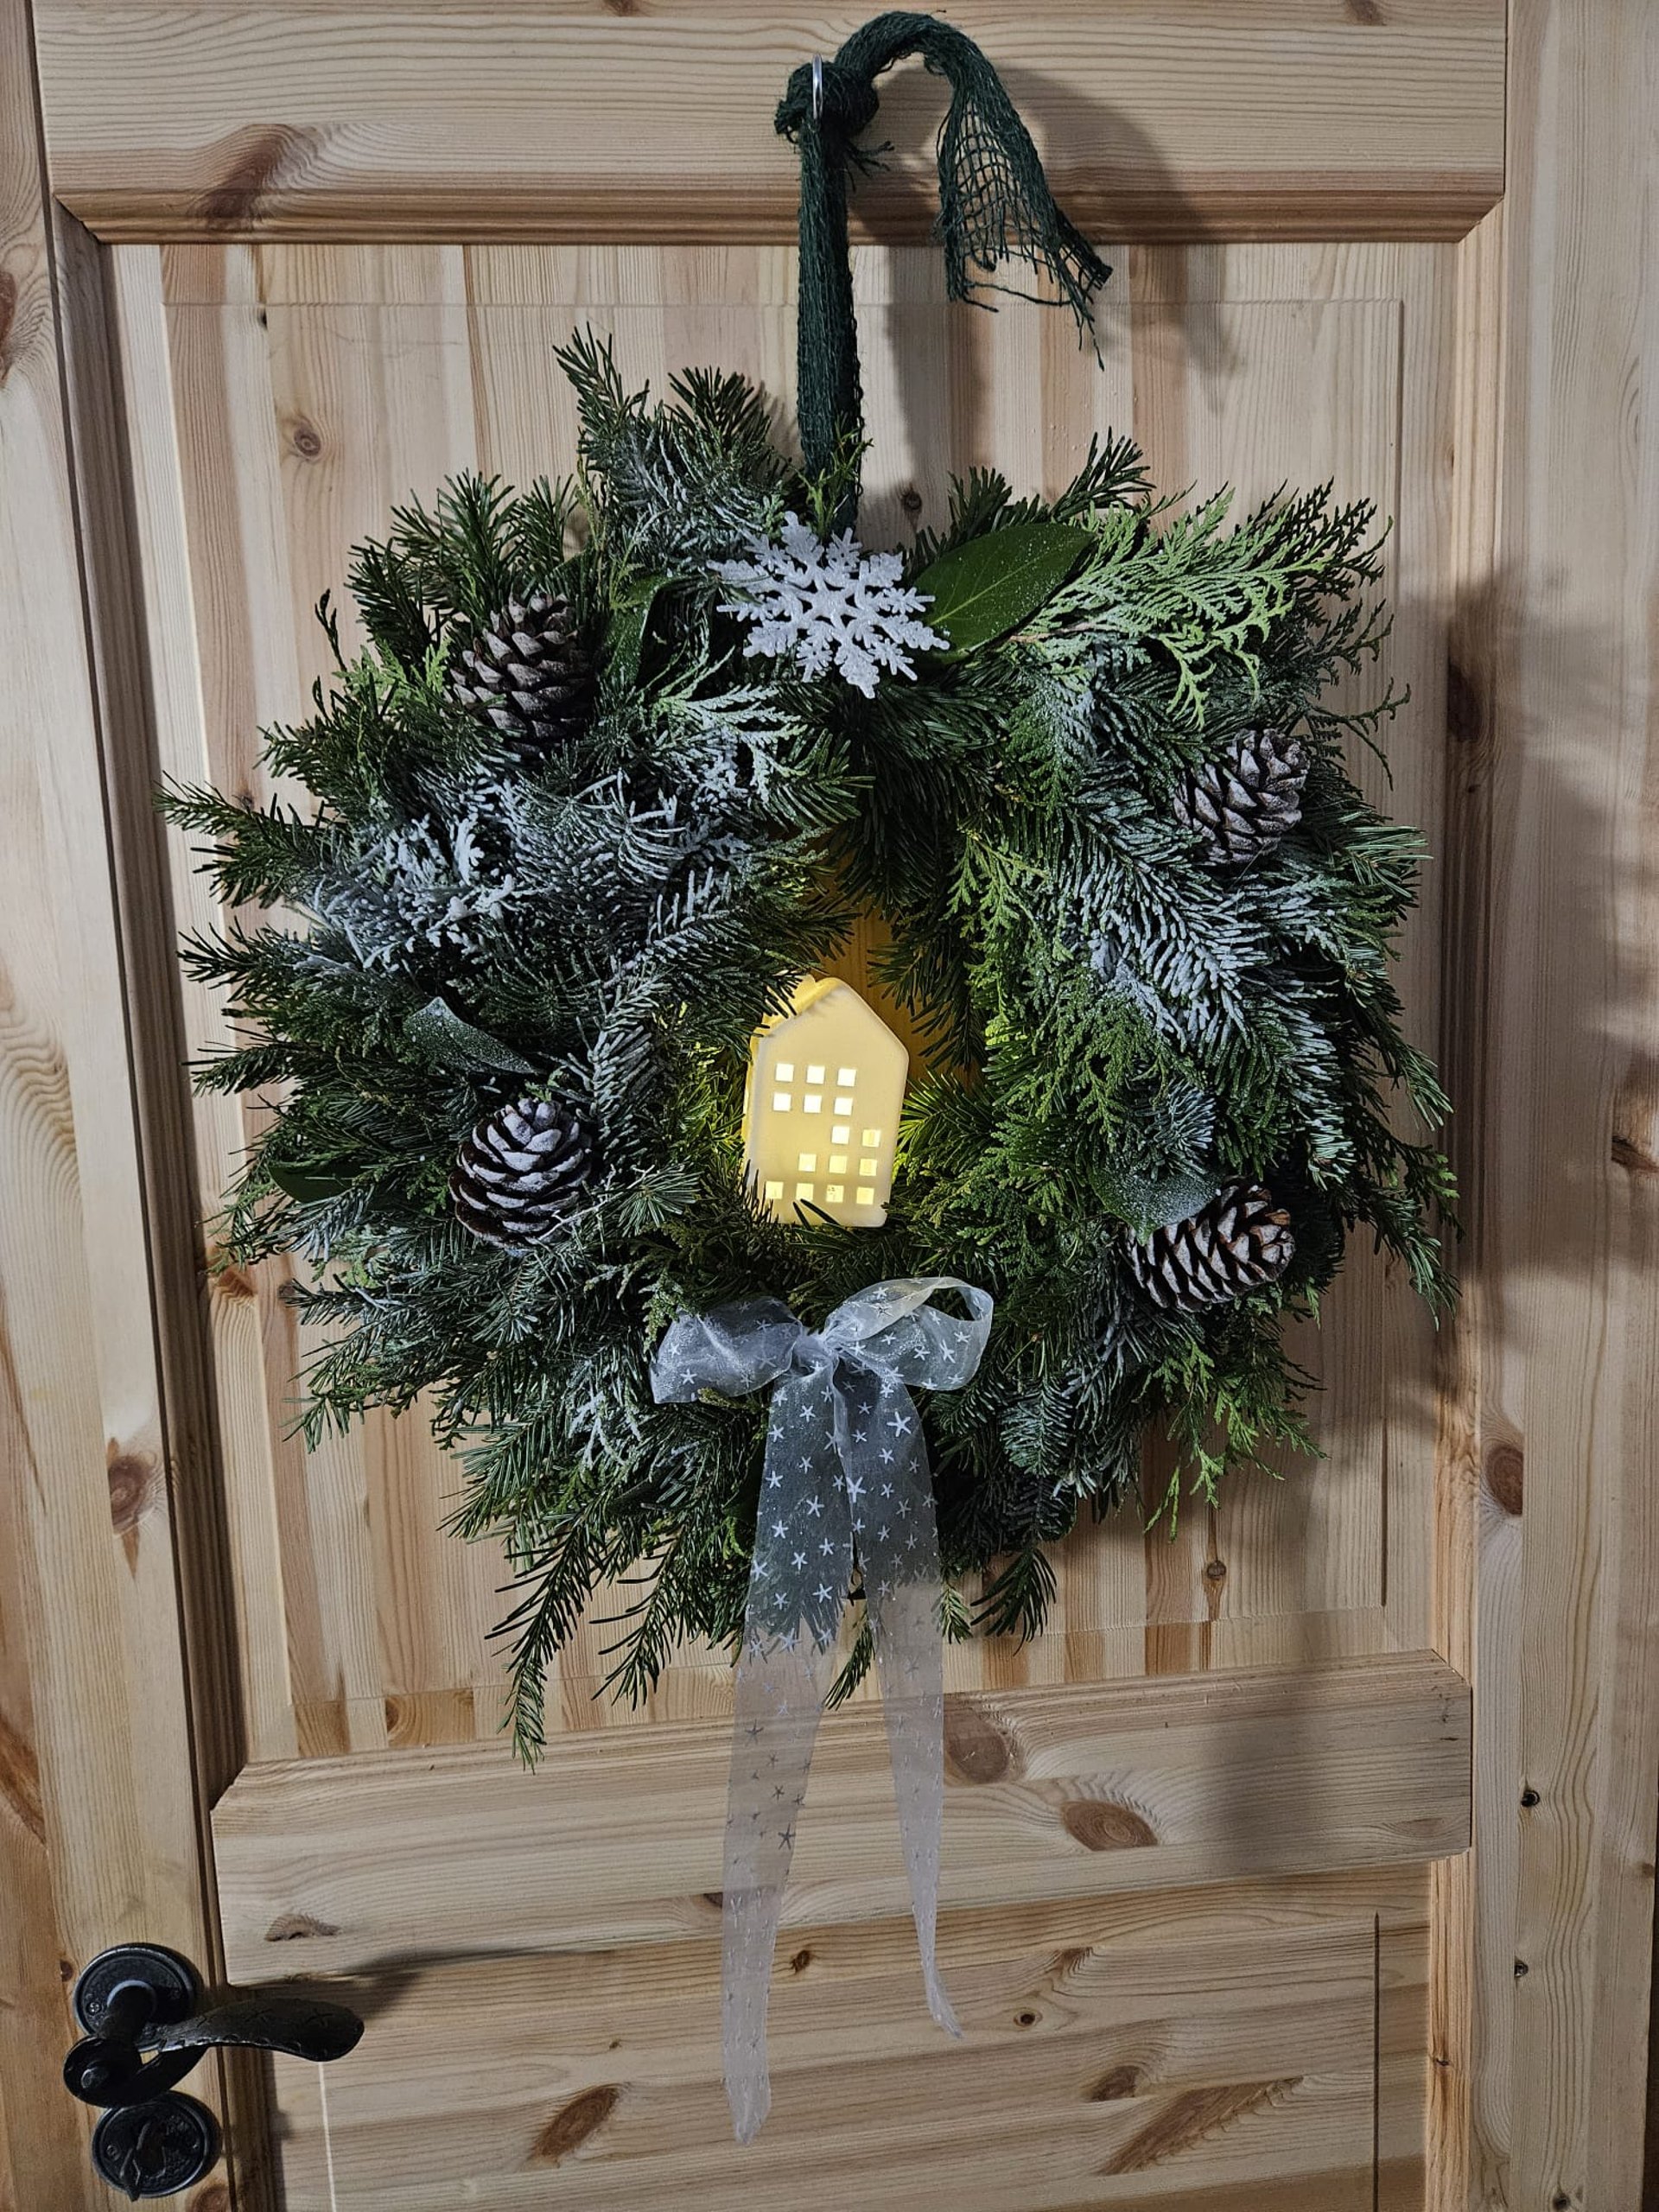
[(1570, 1200), (98, 1821), (189, 1481), (616, 1839), (1477, 1502), (277, 401), (582, 122), (1510, 1509), (42, 2136), (281, 399), (1211, 2048)]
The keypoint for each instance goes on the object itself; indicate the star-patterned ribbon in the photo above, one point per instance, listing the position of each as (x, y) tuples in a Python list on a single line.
[(846, 1482)]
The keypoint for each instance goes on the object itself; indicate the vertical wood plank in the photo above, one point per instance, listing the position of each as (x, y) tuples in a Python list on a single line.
[(99, 1816), (1475, 1521), (186, 686), (1402, 2020), (43, 2138), (1570, 1228)]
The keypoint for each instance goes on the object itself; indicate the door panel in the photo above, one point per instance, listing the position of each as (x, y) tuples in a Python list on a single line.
[(291, 396), (1245, 2048), (280, 399)]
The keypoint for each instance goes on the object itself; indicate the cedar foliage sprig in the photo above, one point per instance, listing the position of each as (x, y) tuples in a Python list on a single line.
[(1116, 1030)]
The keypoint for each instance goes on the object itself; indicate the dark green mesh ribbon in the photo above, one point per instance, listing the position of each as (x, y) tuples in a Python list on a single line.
[(994, 204)]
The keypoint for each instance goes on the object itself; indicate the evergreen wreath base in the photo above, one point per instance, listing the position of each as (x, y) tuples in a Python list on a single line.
[(1120, 1028)]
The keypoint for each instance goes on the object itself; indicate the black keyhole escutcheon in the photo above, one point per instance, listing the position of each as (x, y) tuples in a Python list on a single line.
[(156, 2149)]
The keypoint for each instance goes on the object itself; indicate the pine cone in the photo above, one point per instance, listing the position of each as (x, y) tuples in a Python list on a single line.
[(1242, 804), (521, 1173), (1236, 1243), (527, 676)]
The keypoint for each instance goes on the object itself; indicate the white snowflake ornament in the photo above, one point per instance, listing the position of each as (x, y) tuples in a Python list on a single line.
[(828, 603)]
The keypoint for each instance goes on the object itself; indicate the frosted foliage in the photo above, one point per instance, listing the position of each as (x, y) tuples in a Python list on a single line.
[(825, 603), (427, 886)]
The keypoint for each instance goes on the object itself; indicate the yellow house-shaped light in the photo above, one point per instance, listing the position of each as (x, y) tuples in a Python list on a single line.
[(821, 1117)]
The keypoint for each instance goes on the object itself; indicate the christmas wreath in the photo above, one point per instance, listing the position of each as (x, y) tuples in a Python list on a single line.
[(623, 760)]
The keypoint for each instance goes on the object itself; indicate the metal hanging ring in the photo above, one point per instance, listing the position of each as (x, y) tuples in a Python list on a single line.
[(818, 88)]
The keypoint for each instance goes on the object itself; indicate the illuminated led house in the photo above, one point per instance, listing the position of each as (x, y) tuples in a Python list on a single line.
[(826, 1082)]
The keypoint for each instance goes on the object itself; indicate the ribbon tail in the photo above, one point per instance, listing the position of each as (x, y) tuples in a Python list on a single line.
[(797, 1588), (910, 1664), (779, 1695), (896, 1530)]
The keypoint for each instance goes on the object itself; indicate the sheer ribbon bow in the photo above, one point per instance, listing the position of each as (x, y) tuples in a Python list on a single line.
[(846, 1483)]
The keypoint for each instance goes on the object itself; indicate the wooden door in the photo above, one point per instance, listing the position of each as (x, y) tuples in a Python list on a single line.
[(312, 258)]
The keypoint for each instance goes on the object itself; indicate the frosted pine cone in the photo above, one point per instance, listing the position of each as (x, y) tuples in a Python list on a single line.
[(1243, 803), (521, 1173), (823, 603), (527, 676), (1235, 1245)]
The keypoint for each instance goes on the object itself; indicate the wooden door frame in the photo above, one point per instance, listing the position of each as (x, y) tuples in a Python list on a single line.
[(118, 1704), (1546, 1934)]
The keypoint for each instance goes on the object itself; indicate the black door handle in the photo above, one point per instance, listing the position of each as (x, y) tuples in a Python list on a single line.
[(140, 2006)]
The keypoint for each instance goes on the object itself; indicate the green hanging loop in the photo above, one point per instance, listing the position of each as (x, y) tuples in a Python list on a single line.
[(995, 206)]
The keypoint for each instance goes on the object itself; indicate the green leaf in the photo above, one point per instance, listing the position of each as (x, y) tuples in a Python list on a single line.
[(1148, 1205), (986, 587), (629, 619), (441, 1033), (305, 1187)]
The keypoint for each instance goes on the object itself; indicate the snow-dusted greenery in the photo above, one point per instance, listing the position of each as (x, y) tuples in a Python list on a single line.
[(1117, 1027)]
